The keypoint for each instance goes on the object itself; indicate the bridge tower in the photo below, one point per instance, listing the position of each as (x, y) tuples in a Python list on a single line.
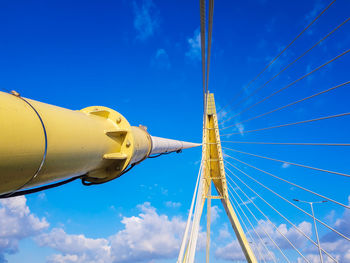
[(212, 173)]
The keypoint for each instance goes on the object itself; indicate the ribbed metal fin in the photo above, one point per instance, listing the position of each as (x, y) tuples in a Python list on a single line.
[(116, 133), (101, 113), (115, 156)]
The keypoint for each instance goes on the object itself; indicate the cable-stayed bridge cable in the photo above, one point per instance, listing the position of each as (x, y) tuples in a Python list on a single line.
[(184, 239), (289, 124), (251, 201), (306, 213), (288, 182), (242, 221), (279, 54), (252, 226), (289, 85), (290, 104), (286, 67), (289, 221), (202, 34), (291, 143), (268, 219), (262, 241), (210, 32), (295, 164)]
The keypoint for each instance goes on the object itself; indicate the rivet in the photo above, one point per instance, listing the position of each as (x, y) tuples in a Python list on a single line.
[(119, 120), (128, 143)]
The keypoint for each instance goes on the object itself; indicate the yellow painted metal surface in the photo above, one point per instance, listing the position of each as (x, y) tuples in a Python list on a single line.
[(96, 141), (215, 172)]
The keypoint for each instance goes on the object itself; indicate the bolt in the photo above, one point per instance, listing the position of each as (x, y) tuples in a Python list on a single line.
[(15, 93), (119, 120), (128, 143), (117, 168)]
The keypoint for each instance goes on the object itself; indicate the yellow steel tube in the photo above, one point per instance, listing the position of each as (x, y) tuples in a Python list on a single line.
[(96, 141)]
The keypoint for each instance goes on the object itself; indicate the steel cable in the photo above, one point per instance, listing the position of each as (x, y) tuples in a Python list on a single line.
[(268, 251), (288, 182), (306, 213), (250, 200), (275, 58), (286, 67), (295, 164), (288, 105), (289, 85), (300, 231)]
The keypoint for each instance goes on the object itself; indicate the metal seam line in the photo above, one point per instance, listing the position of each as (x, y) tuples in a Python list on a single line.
[(45, 148), (273, 60), (267, 218), (250, 200), (290, 104), (300, 231), (293, 184), (285, 68), (306, 213), (295, 164)]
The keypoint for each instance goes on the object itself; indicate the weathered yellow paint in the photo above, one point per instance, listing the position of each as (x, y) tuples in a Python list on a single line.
[(96, 141), (215, 172)]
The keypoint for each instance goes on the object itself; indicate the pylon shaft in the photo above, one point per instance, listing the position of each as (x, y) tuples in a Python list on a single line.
[(216, 174)]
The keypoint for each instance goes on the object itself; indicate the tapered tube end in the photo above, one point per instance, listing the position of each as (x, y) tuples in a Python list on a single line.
[(163, 145)]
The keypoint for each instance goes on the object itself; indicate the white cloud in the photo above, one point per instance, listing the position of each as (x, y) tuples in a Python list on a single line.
[(145, 237), (240, 128), (17, 223), (75, 248), (172, 204), (215, 210), (285, 165), (194, 42), (316, 9), (248, 201), (42, 196), (335, 245), (224, 232), (233, 251), (161, 59), (146, 19)]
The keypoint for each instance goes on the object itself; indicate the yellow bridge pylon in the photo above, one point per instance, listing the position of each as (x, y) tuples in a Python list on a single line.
[(212, 172)]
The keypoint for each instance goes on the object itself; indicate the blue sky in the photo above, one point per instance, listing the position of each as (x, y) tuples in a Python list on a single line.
[(142, 58)]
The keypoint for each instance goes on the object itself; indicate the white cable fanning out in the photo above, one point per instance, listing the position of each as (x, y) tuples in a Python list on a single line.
[(295, 164), (288, 182), (256, 233), (268, 219), (289, 85), (189, 219), (302, 210), (192, 244), (257, 221), (286, 67), (285, 218), (253, 241), (279, 54), (245, 226), (291, 104)]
